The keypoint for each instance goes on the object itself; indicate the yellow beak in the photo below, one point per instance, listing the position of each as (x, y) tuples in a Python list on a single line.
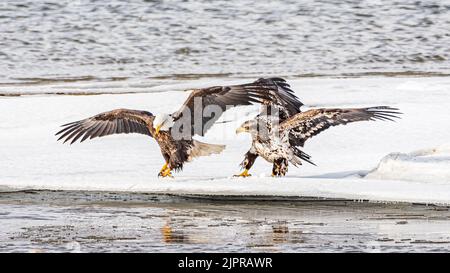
[(240, 130), (157, 129)]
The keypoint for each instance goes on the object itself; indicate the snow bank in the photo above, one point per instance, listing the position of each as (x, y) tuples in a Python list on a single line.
[(431, 165)]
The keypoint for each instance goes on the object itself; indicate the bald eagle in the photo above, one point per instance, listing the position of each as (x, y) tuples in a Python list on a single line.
[(174, 132), (277, 140)]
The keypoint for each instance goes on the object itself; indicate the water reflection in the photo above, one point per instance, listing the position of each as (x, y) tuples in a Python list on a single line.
[(201, 228), (99, 222), (171, 235), (280, 233)]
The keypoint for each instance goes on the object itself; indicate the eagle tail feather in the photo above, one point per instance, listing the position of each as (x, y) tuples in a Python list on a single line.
[(204, 149), (302, 155)]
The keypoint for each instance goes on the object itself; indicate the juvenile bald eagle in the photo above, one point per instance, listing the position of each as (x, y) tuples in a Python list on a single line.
[(277, 141), (174, 132)]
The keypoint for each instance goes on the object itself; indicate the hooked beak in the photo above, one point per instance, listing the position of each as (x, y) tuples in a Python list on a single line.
[(240, 130), (157, 129)]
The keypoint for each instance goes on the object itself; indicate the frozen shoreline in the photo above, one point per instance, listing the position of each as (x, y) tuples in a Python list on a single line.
[(32, 159)]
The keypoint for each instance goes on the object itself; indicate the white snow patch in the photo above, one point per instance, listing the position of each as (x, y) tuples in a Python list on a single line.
[(431, 165)]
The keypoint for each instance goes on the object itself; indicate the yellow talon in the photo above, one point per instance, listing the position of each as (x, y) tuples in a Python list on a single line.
[(165, 171), (164, 167), (244, 174)]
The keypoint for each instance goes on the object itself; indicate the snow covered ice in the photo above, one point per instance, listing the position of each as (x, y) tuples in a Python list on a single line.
[(431, 165), (403, 161)]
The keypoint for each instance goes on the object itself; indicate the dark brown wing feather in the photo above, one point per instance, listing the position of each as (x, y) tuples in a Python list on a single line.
[(282, 96), (310, 123), (264, 91), (119, 121)]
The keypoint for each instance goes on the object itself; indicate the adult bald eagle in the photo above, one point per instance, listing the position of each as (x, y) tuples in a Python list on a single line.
[(277, 141), (174, 132)]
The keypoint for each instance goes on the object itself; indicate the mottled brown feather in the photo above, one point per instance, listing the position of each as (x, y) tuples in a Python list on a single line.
[(310, 123)]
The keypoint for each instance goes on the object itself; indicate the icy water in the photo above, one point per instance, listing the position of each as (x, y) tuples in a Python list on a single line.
[(108, 222), (49, 41)]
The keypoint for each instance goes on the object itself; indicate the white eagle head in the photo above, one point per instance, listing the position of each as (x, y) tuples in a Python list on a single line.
[(163, 122)]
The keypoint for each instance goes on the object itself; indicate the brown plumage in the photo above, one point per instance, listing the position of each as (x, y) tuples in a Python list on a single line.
[(119, 121), (305, 125), (263, 91), (278, 143), (174, 150)]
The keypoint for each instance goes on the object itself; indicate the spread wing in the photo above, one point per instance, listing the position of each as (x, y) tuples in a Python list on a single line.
[(282, 99), (264, 91), (310, 123), (119, 121)]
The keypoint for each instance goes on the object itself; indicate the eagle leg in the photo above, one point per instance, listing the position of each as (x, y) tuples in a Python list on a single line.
[(280, 167), (164, 167), (165, 171), (243, 174), (249, 159)]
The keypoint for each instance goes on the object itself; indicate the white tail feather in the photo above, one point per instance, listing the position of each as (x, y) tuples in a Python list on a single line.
[(204, 149)]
